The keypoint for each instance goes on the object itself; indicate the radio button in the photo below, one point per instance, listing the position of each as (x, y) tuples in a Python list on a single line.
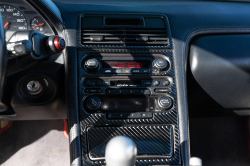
[(134, 91), (145, 91), (112, 91), (136, 71), (123, 91), (146, 115), (118, 115), (146, 82), (134, 115), (162, 90), (145, 71), (126, 71), (91, 90)]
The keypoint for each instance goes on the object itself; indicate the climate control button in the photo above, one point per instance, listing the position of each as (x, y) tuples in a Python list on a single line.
[(160, 64), (156, 83), (92, 65)]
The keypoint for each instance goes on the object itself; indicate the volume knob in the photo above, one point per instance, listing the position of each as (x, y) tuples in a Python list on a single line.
[(164, 103), (160, 64), (94, 103), (92, 65)]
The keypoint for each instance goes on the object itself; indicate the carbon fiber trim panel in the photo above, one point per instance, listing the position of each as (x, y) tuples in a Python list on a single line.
[(99, 119), (151, 141)]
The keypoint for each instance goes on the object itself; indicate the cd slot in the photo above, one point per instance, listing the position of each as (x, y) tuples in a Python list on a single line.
[(125, 104), (119, 104), (126, 83)]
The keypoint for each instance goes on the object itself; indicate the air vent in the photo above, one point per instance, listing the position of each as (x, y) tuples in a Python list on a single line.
[(102, 37), (146, 37), (125, 30), (125, 37)]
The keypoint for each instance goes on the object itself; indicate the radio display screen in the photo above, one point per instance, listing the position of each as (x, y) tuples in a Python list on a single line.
[(126, 64)]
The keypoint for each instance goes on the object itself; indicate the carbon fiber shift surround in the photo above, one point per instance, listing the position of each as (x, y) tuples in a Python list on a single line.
[(152, 141)]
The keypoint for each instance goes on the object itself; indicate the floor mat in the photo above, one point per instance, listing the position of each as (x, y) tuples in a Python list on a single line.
[(220, 141), (40, 143)]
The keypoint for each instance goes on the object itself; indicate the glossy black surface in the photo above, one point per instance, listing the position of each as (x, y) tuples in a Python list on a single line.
[(151, 141)]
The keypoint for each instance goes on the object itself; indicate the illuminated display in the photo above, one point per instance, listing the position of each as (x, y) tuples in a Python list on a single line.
[(126, 64)]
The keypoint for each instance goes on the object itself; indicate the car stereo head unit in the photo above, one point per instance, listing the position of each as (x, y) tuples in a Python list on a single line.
[(114, 94)]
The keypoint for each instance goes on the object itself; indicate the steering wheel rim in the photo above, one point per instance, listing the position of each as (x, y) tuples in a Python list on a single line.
[(3, 58)]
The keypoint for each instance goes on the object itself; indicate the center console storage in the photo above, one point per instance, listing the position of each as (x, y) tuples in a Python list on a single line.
[(127, 87)]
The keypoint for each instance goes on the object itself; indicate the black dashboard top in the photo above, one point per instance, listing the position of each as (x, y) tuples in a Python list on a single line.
[(184, 16)]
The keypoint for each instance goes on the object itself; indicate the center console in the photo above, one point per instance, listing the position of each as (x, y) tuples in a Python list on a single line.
[(126, 86)]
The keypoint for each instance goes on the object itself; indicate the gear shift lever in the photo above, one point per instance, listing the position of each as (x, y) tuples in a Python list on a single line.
[(120, 151)]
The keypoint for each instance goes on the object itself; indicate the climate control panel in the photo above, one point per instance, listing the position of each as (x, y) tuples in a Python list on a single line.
[(110, 65)]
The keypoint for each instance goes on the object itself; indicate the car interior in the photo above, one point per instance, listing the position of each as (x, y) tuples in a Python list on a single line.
[(124, 82)]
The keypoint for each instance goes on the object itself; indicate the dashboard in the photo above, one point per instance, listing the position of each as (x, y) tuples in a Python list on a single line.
[(19, 16), (129, 68)]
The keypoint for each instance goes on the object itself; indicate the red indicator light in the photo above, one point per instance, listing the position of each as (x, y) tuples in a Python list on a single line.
[(121, 66), (126, 64)]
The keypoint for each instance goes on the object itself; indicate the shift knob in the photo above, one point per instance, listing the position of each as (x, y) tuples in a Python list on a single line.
[(120, 151), (195, 161)]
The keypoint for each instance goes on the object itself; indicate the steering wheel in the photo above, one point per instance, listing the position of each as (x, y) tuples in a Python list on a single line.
[(3, 58)]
